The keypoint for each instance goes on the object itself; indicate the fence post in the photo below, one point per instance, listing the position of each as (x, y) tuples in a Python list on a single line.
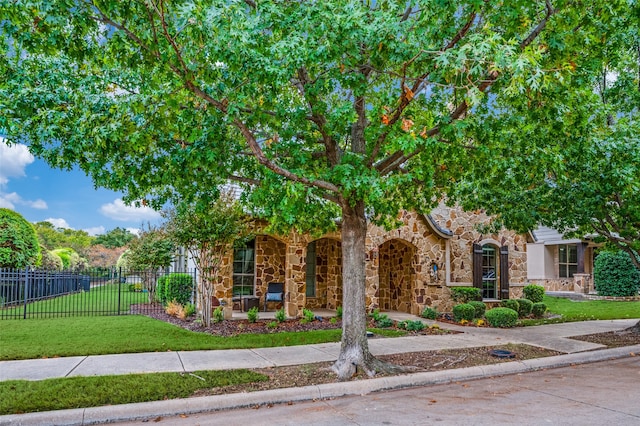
[(26, 291), (119, 288)]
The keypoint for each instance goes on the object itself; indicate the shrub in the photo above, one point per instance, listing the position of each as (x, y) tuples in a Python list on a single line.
[(19, 245), (501, 317), (533, 292), (538, 309), (333, 320), (161, 286), (511, 304), (280, 315), (524, 307), (178, 287), (429, 313), (218, 314), (252, 314), (410, 325), (174, 309), (272, 324), (465, 294), (416, 325), (190, 309), (307, 315), (384, 322), (480, 308), (615, 275), (464, 311)]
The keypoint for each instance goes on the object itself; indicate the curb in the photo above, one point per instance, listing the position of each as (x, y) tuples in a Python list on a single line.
[(147, 410)]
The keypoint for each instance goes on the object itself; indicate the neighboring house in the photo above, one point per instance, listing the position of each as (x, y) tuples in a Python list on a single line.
[(407, 268), (560, 264)]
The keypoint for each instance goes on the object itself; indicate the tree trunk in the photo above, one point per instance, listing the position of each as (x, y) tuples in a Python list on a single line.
[(354, 352)]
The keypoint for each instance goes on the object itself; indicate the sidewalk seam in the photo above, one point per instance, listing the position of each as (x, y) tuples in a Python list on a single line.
[(76, 366)]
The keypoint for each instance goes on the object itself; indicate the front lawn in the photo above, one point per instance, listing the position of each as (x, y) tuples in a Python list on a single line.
[(586, 310), (53, 337)]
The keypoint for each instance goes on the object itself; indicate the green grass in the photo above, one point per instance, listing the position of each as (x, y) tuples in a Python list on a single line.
[(21, 396), (104, 299), (586, 310), (53, 337)]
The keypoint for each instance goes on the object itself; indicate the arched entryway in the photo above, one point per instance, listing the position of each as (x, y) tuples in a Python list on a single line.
[(323, 277), (396, 275)]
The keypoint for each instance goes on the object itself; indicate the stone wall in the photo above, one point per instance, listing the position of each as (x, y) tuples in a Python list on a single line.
[(270, 264)]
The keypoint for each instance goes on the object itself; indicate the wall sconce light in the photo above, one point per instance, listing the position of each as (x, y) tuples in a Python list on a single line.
[(434, 271)]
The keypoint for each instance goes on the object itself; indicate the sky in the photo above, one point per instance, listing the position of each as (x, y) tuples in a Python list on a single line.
[(67, 199)]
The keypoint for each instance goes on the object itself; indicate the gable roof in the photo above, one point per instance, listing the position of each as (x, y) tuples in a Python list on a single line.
[(549, 236)]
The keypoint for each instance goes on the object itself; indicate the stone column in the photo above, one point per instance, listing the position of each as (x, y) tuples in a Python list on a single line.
[(372, 278), (582, 283), (294, 286)]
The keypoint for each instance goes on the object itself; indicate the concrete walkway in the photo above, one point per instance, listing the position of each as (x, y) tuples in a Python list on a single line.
[(554, 336)]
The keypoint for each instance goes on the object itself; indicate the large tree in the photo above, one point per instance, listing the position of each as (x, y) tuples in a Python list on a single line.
[(117, 237), (327, 110)]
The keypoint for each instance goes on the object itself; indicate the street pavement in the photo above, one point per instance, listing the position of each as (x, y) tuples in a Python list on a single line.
[(554, 336)]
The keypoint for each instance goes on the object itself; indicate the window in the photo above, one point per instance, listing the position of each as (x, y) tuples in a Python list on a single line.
[(244, 270), (567, 260), (311, 270), (489, 272)]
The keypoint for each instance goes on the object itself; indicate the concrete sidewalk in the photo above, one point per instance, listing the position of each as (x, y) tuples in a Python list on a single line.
[(554, 336)]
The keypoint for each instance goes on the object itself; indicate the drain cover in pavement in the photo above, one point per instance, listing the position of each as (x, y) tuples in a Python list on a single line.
[(502, 353)]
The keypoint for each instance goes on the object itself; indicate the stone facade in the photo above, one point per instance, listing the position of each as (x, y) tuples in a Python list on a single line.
[(407, 269)]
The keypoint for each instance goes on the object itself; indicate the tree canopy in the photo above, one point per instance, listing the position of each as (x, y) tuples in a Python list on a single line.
[(325, 110), (18, 243), (117, 237)]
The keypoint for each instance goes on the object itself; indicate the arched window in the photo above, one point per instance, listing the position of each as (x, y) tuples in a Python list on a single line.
[(489, 272)]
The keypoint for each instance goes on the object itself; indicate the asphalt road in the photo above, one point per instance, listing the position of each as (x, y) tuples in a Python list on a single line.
[(604, 393)]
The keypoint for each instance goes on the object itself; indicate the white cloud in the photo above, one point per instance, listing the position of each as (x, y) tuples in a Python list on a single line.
[(13, 160), (96, 230), (58, 223), (9, 201), (118, 210), (134, 231)]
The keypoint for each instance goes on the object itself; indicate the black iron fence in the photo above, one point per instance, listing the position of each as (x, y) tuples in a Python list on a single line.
[(35, 293)]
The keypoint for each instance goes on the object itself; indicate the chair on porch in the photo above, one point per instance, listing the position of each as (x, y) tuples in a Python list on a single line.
[(275, 293)]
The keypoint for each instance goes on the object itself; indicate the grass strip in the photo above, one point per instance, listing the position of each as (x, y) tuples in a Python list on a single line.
[(21, 396), (585, 310), (72, 336)]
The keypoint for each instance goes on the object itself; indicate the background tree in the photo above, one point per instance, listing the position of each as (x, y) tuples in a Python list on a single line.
[(117, 237), (208, 234), (19, 246), (100, 256), (148, 253), (329, 110), (56, 238)]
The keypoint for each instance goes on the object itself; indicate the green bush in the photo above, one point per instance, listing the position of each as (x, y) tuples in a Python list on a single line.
[(501, 317), (381, 320), (480, 308), (252, 314), (161, 287), (178, 287), (538, 309), (19, 245), (429, 313), (511, 304), (190, 309), (464, 311), (465, 294), (339, 312), (615, 275), (307, 316), (533, 292), (280, 315), (218, 314), (524, 307), (410, 325)]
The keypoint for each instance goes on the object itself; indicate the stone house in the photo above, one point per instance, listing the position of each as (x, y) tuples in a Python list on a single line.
[(407, 268), (559, 263)]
